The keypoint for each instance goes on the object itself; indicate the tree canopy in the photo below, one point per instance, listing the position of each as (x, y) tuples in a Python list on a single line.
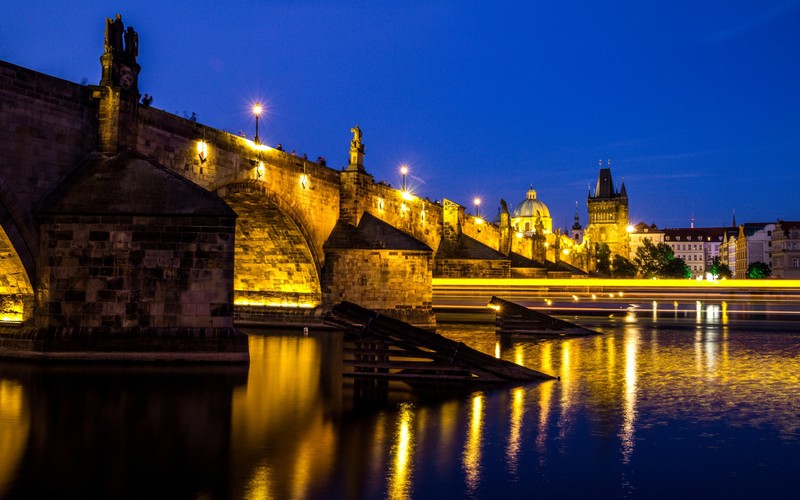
[(758, 271), (659, 261)]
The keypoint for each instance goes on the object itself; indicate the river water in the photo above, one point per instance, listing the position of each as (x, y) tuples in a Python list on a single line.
[(672, 408)]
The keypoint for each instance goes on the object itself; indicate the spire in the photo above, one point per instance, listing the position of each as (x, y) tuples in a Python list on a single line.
[(531, 194), (692, 223), (605, 185), (733, 224), (622, 192), (577, 224)]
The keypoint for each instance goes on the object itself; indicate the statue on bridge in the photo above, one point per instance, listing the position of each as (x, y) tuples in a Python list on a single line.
[(356, 143), (119, 59), (356, 150)]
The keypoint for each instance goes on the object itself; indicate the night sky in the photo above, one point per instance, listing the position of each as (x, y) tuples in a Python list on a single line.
[(696, 104)]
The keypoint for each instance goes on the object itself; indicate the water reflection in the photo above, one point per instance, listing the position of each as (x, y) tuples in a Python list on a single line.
[(471, 457), (14, 427), (717, 401), (400, 473)]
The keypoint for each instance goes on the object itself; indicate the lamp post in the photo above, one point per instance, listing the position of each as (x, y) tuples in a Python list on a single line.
[(477, 202), (257, 109), (404, 172)]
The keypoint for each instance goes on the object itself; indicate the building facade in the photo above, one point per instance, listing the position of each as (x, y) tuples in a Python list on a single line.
[(753, 244), (786, 250), (697, 246), (641, 232)]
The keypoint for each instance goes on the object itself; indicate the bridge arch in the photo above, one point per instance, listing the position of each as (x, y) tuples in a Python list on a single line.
[(277, 263), (17, 264)]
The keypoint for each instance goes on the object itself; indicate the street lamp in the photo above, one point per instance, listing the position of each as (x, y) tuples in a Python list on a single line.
[(404, 172), (477, 202), (257, 109)]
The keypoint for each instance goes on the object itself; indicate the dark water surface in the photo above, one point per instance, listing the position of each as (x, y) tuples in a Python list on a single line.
[(682, 408)]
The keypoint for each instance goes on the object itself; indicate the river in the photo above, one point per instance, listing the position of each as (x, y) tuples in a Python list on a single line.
[(666, 408)]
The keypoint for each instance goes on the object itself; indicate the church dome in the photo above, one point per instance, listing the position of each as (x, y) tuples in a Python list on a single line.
[(531, 207)]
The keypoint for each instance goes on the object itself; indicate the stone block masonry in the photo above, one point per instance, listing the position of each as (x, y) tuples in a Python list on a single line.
[(130, 272)]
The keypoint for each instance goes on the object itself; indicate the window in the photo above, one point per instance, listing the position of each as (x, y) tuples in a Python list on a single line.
[(795, 262)]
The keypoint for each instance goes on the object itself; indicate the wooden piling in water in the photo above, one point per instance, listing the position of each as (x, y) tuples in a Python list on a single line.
[(382, 347)]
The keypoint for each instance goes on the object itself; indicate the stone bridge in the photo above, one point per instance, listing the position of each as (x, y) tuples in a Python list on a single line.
[(118, 215)]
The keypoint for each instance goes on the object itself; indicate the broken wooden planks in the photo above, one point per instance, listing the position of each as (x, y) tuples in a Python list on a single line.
[(382, 347), (515, 319)]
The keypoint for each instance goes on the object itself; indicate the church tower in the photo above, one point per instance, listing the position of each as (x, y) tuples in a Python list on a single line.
[(608, 214), (577, 229)]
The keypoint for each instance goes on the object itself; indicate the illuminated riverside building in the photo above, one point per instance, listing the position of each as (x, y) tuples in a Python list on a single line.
[(752, 245), (786, 250), (608, 214), (697, 246), (641, 232)]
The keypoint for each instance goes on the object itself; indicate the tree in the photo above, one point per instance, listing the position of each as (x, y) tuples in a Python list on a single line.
[(720, 270), (758, 271), (603, 255), (623, 268), (658, 261)]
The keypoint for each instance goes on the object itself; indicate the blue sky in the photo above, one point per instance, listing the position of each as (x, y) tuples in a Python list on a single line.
[(696, 104)]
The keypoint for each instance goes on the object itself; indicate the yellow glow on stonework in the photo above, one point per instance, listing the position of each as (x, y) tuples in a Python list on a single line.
[(519, 235), (380, 204), (11, 318), (259, 303), (402, 453), (304, 181), (202, 148), (478, 221), (406, 195)]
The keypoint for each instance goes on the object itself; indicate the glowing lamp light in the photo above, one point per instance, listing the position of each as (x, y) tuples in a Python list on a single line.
[(404, 172), (479, 221), (260, 169), (406, 195), (257, 110), (380, 204), (304, 181), (630, 228), (566, 251), (519, 234), (202, 151)]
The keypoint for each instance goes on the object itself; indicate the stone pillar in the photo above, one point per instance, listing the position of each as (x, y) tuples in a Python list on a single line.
[(505, 229), (453, 220), (353, 195)]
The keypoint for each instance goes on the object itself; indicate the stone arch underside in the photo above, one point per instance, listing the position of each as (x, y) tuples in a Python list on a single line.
[(16, 292), (274, 264)]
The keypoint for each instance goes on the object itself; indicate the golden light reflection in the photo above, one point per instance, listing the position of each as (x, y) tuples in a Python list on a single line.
[(515, 428), (546, 403), (401, 470), (471, 458), (497, 349), (260, 484), (629, 410), (15, 421), (281, 394)]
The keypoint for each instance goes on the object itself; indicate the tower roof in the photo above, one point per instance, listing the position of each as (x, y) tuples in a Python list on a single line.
[(605, 186)]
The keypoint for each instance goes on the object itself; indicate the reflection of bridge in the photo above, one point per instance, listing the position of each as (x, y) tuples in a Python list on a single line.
[(116, 215)]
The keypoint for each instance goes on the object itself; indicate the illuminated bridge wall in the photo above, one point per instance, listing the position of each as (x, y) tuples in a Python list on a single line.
[(287, 206)]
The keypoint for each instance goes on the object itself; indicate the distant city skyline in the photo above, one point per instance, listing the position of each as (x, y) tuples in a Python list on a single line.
[(696, 106)]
